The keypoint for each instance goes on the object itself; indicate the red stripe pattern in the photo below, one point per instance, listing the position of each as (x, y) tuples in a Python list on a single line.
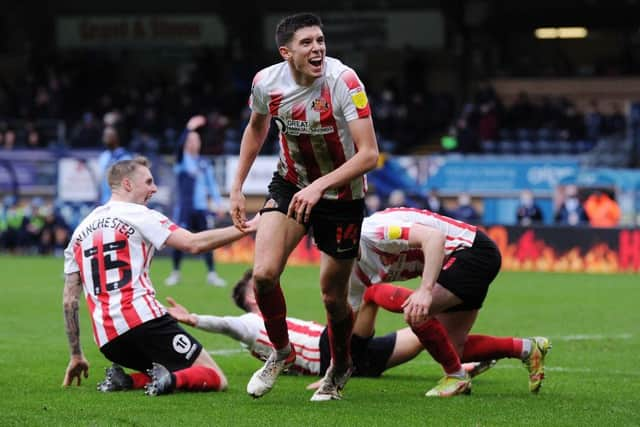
[(113, 258), (334, 144), (303, 335), (355, 88), (313, 123), (299, 112), (386, 254)]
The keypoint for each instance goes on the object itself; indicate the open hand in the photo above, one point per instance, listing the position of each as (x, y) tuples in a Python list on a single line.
[(78, 366), (180, 313), (238, 210)]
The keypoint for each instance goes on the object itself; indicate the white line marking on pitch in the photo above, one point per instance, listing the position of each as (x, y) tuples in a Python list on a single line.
[(227, 351), (575, 337), (573, 370), (596, 337)]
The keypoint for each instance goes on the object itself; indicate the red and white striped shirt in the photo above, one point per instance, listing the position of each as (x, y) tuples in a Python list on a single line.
[(385, 255), (112, 249), (249, 329), (314, 135)]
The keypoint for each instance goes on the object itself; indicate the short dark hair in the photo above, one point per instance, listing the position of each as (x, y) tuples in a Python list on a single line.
[(123, 168), (292, 23), (240, 290)]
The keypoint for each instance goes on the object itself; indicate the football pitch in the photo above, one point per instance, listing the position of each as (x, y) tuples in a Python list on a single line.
[(592, 375)]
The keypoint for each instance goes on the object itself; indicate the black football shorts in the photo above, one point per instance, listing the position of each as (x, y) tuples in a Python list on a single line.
[(160, 340), (335, 224), (469, 272), (370, 355)]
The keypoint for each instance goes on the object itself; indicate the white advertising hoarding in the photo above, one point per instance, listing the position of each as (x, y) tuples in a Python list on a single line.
[(78, 180), (259, 176)]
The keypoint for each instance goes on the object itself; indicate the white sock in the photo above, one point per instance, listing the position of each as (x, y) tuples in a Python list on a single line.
[(283, 352), (526, 348), (461, 374)]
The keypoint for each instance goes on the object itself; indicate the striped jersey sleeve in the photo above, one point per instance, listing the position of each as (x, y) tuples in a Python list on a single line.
[(351, 96)]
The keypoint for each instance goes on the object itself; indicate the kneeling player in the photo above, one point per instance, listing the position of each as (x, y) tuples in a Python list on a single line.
[(109, 257), (457, 263)]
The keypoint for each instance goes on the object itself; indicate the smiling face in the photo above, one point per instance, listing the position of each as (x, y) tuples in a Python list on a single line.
[(305, 54), (136, 187), (144, 187)]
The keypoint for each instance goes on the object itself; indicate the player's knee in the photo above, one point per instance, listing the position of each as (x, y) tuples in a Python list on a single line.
[(334, 305), (265, 278)]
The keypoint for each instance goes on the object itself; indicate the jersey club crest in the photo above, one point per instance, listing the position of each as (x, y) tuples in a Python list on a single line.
[(320, 105)]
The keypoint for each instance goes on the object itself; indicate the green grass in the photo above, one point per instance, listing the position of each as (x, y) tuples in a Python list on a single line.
[(592, 376)]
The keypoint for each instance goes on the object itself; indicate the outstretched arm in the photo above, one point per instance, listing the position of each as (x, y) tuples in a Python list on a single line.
[(230, 326), (196, 243), (78, 365)]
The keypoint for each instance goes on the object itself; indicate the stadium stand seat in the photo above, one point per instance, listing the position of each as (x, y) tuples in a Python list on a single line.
[(489, 146)]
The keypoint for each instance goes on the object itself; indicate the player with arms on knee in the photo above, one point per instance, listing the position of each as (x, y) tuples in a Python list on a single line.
[(108, 258), (327, 144), (456, 262)]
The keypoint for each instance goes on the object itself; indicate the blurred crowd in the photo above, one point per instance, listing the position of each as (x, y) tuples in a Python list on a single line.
[(86, 91), (89, 91), (548, 124), (35, 226), (572, 206)]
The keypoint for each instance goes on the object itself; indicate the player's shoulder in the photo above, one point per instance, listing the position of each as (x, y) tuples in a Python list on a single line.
[(336, 69), (126, 208), (270, 74), (387, 217), (252, 320), (134, 214)]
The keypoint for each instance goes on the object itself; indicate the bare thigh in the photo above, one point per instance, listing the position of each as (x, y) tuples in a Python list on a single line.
[(276, 238), (442, 299)]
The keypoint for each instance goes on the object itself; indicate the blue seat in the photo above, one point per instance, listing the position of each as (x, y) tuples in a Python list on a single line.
[(582, 146), (507, 146), (489, 146), (526, 147), (523, 134), (546, 146), (565, 147)]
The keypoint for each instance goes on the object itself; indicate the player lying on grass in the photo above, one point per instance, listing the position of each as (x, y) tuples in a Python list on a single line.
[(371, 355), (456, 262), (108, 257)]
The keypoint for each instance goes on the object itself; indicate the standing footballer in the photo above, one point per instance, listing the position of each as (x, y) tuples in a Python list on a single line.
[(327, 144)]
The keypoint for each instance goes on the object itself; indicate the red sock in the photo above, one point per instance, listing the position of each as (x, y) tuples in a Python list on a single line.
[(484, 347), (197, 378), (435, 340), (274, 311), (340, 339), (388, 296), (139, 380)]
